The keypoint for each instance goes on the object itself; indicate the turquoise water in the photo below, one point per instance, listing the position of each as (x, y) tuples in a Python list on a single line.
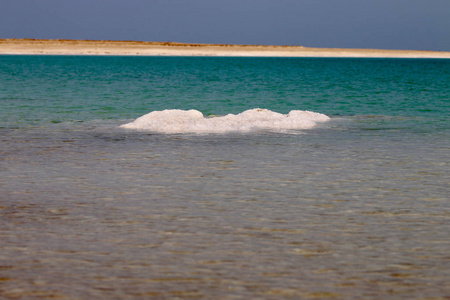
[(355, 207), (90, 88)]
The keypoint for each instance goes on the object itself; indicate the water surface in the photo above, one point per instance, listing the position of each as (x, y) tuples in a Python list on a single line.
[(356, 207)]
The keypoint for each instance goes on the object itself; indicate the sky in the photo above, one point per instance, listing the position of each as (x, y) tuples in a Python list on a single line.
[(380, 24)]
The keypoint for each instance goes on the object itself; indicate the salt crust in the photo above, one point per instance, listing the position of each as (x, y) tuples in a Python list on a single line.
[(193, 121)]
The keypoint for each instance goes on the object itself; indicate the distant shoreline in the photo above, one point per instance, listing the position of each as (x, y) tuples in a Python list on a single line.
[(138, 48)]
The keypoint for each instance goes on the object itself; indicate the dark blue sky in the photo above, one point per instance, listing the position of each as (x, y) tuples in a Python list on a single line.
[(387, 24)]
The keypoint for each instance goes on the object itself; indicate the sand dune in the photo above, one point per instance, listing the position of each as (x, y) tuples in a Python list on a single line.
[(89, 47)]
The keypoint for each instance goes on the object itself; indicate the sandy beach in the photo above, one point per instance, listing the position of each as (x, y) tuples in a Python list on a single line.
[(91, 47)]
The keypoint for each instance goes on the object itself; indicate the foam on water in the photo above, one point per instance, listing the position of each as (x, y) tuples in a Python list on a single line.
[(193, 121)]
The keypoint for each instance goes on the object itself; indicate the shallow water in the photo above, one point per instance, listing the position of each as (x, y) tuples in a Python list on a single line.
[(353, 208)]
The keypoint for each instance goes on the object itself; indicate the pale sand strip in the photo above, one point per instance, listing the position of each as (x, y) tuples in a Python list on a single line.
[(87, 47)]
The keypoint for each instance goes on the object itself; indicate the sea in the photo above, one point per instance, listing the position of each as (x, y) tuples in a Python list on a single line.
[(132, 177)]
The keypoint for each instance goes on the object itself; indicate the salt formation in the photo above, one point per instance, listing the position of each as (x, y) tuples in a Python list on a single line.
[(193, 121)]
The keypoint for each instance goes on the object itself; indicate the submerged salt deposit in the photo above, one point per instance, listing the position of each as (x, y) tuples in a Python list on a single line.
[(193, 121)]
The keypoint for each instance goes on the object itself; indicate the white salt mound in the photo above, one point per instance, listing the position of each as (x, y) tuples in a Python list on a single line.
[(193, 121)]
